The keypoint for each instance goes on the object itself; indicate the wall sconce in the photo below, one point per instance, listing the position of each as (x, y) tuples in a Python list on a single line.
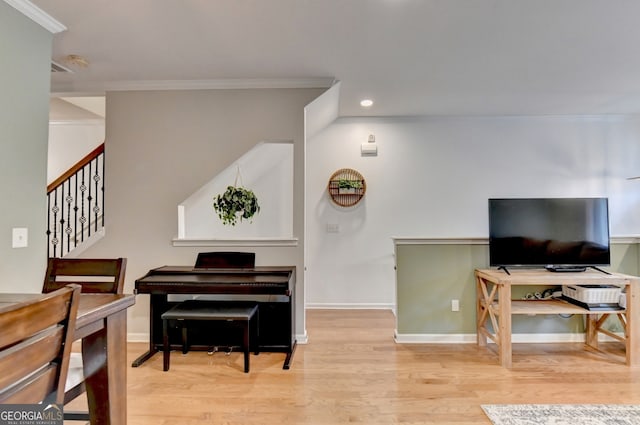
[(370, 148)]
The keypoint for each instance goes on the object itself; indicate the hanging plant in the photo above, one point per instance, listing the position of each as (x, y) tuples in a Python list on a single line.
[(235, 204)]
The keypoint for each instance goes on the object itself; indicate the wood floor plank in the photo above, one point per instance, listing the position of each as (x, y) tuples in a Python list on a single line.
[(352, 371)]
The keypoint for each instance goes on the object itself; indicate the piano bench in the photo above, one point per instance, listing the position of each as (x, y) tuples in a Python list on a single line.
[(244, 316)]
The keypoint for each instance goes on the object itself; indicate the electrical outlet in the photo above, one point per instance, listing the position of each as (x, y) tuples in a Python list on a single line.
[(455, 305)]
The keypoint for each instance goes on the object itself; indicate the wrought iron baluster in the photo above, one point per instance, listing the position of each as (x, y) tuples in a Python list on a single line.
[(48, 225), (83, 217), (75, 212), (96, 207), (89, 199), (68, 228), (102, 190), (81, 192), (62, 221), (55, 210)]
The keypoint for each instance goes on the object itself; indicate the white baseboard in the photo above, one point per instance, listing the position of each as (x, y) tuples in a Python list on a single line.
[(471, 338), (442, 338), (144, 337), (302, 339), (349, 306), (434, 338)]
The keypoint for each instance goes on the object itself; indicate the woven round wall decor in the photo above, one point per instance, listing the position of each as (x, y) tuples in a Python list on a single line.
[(346, 187)]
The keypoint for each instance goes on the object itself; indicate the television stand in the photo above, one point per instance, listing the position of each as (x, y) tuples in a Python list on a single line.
[(565, 269), (494, 308)]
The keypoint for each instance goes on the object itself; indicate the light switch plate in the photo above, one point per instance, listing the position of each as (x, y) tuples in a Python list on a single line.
[(20, 237)]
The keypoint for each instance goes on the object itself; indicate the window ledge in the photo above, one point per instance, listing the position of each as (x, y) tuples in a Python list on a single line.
[(236, 242)]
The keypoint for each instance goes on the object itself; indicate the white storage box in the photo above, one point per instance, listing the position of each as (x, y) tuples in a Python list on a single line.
[(623, 300), (593, 294)]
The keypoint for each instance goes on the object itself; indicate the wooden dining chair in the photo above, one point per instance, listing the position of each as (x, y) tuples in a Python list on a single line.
[(94, 275), (35, 347)]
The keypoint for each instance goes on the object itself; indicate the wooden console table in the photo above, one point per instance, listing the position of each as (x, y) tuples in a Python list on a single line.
[(495, 306)]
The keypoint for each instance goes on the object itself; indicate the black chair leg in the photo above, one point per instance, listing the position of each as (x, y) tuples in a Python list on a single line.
[(247, 342), (185, 344), (165, 345), (256, 333)]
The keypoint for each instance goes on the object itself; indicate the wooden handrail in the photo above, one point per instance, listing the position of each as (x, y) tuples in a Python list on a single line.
[(71, 171)]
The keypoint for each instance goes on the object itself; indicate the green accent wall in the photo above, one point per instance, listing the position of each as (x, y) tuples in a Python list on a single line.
[(430, 275)]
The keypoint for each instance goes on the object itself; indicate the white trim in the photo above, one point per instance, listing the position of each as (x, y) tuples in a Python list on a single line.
[(434, 338), (624, 239), (440, 338), (144, 337), (236, 242), (92, 121), (402, 240), (214, 84), (439, 241), (528, 338), (182, 232), (349, 306), (228, 83), (37, 15), (302, 339)]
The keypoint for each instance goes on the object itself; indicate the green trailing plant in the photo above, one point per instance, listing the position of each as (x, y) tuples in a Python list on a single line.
[(235, 204), (349, 184)]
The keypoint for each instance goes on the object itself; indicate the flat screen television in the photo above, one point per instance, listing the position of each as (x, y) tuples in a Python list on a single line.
[(556, 233)]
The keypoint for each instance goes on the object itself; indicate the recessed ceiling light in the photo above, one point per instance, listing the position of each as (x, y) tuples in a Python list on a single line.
[(366, 103)]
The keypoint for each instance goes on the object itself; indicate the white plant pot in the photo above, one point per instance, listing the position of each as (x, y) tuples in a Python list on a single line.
[(347, 191)]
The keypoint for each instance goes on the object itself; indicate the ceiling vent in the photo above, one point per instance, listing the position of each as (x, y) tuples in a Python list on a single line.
[(56, 67)]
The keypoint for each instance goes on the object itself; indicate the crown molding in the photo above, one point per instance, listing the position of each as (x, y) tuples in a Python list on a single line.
[(37, 15), (214, 84), (228, 83)]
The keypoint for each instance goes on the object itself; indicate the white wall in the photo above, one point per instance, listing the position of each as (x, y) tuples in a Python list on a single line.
[(267, 170), (432, 178), (70, 141), (162, 146)]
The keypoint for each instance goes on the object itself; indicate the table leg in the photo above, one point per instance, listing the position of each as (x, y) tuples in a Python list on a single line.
[(104, 359), (591, 330), (633, 326), (481, 339), (504, 332)]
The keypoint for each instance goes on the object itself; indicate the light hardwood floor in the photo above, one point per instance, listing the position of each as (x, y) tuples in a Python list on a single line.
[(352, 371)]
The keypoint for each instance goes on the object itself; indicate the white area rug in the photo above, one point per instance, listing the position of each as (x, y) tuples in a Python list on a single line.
[(563, 414)]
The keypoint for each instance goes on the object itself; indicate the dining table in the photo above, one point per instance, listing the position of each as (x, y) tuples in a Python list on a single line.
[(101, 325)]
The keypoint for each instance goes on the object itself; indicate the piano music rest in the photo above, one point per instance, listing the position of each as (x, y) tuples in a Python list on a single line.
[(243, 316)]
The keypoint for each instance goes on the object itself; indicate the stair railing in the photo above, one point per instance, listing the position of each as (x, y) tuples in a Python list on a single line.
[(75, 204)]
